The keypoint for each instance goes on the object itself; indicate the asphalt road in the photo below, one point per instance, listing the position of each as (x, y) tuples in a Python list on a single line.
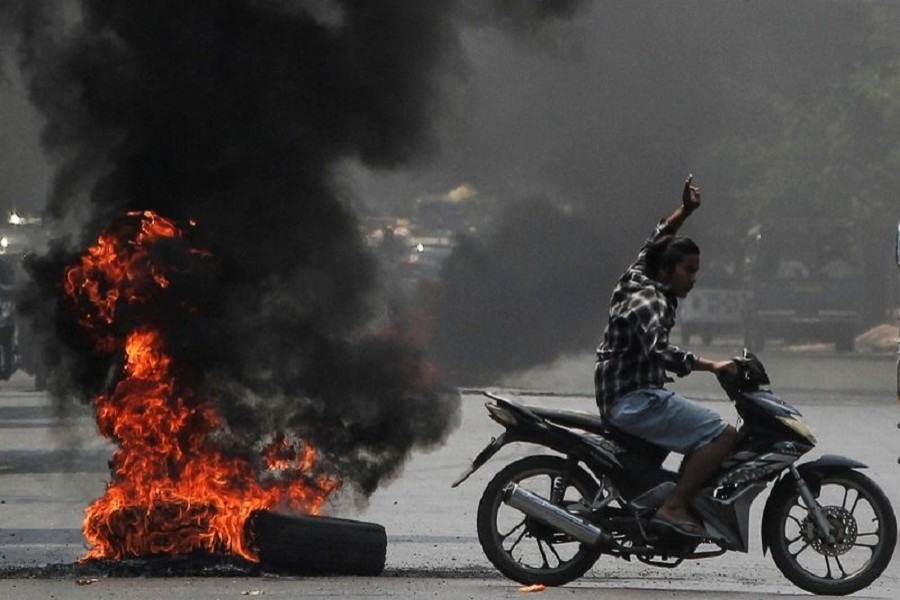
[(53, 465)]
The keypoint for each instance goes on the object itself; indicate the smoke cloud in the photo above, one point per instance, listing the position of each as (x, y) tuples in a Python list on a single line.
[(606, 130), (238, 115), (519, 297), (233, 114)]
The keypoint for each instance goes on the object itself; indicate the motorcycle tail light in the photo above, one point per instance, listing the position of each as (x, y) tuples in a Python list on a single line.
[(500, 414)]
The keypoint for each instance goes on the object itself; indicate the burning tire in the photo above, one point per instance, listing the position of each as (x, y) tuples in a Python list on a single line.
[(306, 545)]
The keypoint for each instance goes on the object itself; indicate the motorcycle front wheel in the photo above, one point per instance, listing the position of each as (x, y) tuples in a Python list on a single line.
[(864, 528), (523, 549)]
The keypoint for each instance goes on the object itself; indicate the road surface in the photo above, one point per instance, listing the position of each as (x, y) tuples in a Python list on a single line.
[(52, 465)]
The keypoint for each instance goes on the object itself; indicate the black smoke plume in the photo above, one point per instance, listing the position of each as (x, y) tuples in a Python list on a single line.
[(522, 16), (536, 287), (233, 114)]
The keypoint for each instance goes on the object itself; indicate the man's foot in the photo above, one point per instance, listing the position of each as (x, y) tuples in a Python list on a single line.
[(685, 526)]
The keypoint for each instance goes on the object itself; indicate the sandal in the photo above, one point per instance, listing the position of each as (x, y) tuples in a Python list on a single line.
[(687, 528)]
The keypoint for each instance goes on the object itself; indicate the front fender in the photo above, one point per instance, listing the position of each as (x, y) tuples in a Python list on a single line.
[(812, 473)]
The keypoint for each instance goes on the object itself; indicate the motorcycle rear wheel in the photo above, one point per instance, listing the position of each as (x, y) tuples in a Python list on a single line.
[(865, 530), (523, 549)]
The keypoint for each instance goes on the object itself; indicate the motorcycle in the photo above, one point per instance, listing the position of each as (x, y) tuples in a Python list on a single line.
[(547, 519)]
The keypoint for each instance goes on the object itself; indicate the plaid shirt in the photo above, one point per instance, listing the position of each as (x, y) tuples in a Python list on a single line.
[(635, 352)]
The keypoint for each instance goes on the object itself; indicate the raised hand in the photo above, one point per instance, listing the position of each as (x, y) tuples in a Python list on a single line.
[(690, 197)]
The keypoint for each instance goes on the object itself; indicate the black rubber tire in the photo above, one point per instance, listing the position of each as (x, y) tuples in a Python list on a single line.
[(774, 534), (491, 543), (307, 545)]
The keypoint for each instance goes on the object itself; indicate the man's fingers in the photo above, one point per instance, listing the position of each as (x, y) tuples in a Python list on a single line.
[(688, 187)]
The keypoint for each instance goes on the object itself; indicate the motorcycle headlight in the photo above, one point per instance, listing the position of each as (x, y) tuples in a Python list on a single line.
[(799, 427)]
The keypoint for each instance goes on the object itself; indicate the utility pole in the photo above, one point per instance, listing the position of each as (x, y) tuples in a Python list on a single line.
[(897, 259)]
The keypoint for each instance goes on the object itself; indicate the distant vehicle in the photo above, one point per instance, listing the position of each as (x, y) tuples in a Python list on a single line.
[(19, 349), (802, 282), (897, 258), (7, 317), (715, 306), (422, 261)]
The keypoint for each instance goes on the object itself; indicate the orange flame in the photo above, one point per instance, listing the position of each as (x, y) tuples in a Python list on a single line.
[(173, 491)]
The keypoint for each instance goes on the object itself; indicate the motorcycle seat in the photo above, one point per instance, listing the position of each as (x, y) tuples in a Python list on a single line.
[(598, 425), (567, 418)]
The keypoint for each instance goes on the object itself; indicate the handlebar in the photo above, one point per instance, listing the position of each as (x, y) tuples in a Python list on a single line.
[(750, 377)]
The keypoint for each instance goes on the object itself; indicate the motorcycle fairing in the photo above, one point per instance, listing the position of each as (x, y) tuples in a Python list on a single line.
[(728, 520)]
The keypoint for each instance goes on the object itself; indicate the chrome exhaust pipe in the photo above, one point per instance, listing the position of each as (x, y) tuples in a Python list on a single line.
[(548, 513)]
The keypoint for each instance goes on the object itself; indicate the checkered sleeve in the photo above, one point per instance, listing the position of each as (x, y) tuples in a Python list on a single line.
[(654, 338)]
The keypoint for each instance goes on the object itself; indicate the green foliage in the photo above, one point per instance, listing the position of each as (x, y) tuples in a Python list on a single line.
[(834, 154)]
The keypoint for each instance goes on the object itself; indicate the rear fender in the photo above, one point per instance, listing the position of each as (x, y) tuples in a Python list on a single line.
[(485, 455), (812, 473), (528, 427), (523, 425), (544, 435)]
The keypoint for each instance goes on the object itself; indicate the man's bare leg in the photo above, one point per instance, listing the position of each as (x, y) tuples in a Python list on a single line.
[(696, 469)]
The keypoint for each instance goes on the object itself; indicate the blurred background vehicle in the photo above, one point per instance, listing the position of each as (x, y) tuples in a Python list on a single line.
[(715, 307), (897, 260), (20, 235), (803, 282)]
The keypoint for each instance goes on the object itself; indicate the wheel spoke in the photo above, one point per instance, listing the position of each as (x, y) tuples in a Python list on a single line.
[(540, 546), (844, 501), (841, 567), (794, 555), (875, 533), (516, 543), (828, 566), (795, 520), (555, 553), (796, 539), (512, 531), (871, 546)]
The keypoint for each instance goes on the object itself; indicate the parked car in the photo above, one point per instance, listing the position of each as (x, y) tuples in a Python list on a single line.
[(802, 282)]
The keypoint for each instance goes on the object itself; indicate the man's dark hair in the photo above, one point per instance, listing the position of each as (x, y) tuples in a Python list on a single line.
[(665, 254)]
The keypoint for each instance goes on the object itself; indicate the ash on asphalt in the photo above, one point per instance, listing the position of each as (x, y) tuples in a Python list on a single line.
[(183, 566), (205, 566)]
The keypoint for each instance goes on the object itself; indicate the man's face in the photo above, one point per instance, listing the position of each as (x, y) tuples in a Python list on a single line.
[(681, 278)]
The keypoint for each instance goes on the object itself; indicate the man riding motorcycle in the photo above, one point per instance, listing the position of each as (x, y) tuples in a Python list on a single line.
[(635, 354)]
